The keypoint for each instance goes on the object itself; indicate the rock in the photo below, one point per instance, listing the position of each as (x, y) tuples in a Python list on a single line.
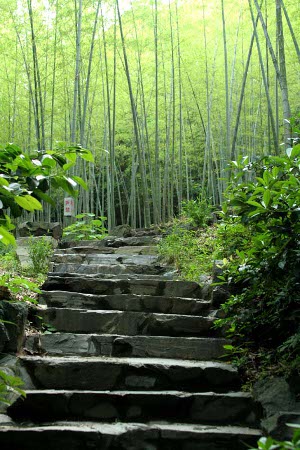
[(102, 374), (121, 231), (279, 404), (208, 407), (275, 395), (126, 322), (171, 275), (8, 365), (219, 295), (3, 337), (277, 424), (52, 229), (12, 335), (127, 436), (204, 349), (5, 293), (125, 302), (217, 270), (5, 420)]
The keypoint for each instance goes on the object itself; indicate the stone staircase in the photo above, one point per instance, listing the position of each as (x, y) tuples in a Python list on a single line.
[(134, 364)]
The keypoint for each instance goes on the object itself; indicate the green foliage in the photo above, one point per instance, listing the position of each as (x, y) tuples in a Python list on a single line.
[(25, 180), (190, 251), (9, 384), (21, 288), (267, 443), (232, 236), (198, 211), (262, 315), (87, 228), (40, 252), (9, 260)]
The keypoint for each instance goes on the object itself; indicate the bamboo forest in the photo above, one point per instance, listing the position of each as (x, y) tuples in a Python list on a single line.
[(164, 93)]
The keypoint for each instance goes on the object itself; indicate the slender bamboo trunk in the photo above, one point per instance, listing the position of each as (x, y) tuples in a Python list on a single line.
[(145, 195), (270, 110), (78, 18)]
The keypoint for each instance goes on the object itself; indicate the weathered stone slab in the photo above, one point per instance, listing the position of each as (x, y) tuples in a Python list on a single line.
[(12, 330), (127, 436), (235, 408), (52, 229), (135, 241), (82, 250), (115, 242), (126, 322), (126, 302), (95, 269), (105, 258), (86, 266), (91, 373), (95, 285), (204, 349), (137, 250)]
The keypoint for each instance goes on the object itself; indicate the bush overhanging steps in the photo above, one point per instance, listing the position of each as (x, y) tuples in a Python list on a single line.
[(134, 363)]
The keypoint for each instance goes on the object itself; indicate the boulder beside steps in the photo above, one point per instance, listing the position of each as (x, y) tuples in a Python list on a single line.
[(134, 364)]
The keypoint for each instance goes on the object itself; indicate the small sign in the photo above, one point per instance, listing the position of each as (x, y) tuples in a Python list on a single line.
[(69, 206)]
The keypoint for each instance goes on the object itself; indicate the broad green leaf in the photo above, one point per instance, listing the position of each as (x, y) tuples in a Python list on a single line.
[(289, 151), (5, 237), (81, 182), (254, 203), (44, 197), (267, 177), (68, 166), (261, 180), (61, 182), (266, 198), (48, 161), (71, 181), (71, 156), (86, 155), (295, 151), (28, 202), (3, 181), (228, 347)]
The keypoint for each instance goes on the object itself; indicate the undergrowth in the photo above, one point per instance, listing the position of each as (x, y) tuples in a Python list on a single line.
[(257, 237)]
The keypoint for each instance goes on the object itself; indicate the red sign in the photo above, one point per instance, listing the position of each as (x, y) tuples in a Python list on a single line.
[(69, 206)]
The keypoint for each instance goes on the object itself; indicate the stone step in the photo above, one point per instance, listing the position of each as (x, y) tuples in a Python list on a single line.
[(115, 242), (76, 255), (126, 302), (105, 258), (234, 408), (64, 344), (91, 269), (104, 373), (127, 322), (114, 269), (127, 436), (93, 284)]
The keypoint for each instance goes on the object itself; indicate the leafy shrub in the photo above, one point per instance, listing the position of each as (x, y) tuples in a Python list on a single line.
[(192, 252), (198, 211), (271, 444), (40, 252), (9, 384), (263, 315), (25, 179), (21, 288), (232, 237), (9, 260), (87, 228)]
